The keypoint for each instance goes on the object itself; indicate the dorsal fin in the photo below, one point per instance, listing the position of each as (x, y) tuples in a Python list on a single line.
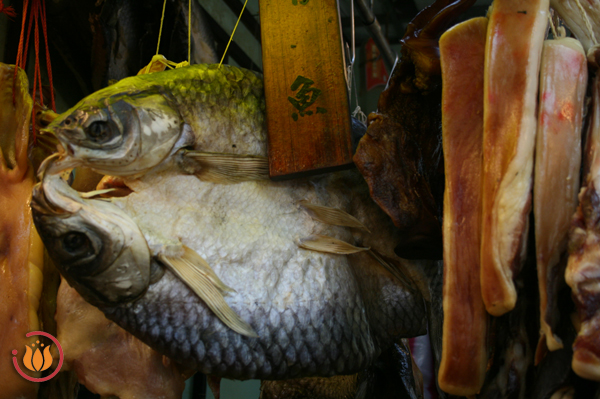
[(225, 168)]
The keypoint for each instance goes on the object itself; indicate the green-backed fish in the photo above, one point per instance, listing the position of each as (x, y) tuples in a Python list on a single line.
[(187, 118)]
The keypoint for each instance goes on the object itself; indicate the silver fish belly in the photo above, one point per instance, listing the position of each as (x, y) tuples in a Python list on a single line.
[(314, 313)]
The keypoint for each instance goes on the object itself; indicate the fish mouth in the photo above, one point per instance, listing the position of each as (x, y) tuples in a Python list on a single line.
[(41, 205), (50, 197)]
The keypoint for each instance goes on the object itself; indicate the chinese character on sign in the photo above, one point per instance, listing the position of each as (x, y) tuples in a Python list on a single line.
[(302, 2), (305, 97)]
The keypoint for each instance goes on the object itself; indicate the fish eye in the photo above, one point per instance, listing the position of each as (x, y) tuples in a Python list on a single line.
[(67, 121), (100, 132), (76, 243)]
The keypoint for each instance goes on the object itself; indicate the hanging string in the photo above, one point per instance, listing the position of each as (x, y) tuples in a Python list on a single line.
[(233, 33), (588, 25), (20, 48), (552, 27), (48, 65), (159, 62), (36, 44), (189, 31), (358, 113), (37, 15), (9, 11), (162, 18), (350, 67)]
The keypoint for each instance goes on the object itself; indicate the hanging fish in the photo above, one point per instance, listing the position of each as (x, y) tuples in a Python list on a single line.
[(200, 119), (246, 280)]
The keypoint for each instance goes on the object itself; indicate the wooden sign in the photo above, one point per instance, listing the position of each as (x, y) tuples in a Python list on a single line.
[(308, 118)]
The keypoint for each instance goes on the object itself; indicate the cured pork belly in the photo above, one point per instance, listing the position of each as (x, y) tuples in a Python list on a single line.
[(21, 250), (107, 359), (583, 267), (563, 84), (464, 353), (516, 33)]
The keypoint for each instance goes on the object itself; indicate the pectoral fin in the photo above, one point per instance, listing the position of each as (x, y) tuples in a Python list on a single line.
[(91, 194), (197, 262), (332, 216), (224, 168), (330, 245), (195, 272)]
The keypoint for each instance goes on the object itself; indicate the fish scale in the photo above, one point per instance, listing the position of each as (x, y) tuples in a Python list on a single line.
[(314, 313), (210, 348)]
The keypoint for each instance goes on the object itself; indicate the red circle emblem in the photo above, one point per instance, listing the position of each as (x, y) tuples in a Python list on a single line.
[(60, 361)]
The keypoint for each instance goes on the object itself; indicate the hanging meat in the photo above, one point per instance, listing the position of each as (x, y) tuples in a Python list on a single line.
[(563, 84), (582, 272), (107, 359), (516, 33), (464, 350), (21, 250), (400, 156)]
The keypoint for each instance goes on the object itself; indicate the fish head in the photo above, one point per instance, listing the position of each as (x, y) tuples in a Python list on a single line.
[(122, 130), (95, 246)]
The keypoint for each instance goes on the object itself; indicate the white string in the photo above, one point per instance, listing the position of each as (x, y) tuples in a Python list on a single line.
[(350, 67), (358, 114), (554, 34), (588, 25)]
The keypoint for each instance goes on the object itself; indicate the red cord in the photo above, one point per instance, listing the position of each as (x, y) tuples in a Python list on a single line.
[(37, 13), (20, 49), (10, 11), (48, 65)]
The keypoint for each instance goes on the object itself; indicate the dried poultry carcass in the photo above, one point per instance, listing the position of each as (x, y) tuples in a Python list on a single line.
[(298, 291), (108, 360), (401, 155), (21, 251)]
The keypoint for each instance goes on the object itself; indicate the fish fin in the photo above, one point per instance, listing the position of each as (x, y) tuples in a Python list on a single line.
[(541, 350), (197, 262), (94, 193), (158, 63), (333, 216), (222, 168), (321, 243), (214, 383), (394, 270), (206, 290)]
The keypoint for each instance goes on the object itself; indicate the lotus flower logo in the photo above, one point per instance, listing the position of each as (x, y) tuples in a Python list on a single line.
[(34, 360), (38, 357)]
